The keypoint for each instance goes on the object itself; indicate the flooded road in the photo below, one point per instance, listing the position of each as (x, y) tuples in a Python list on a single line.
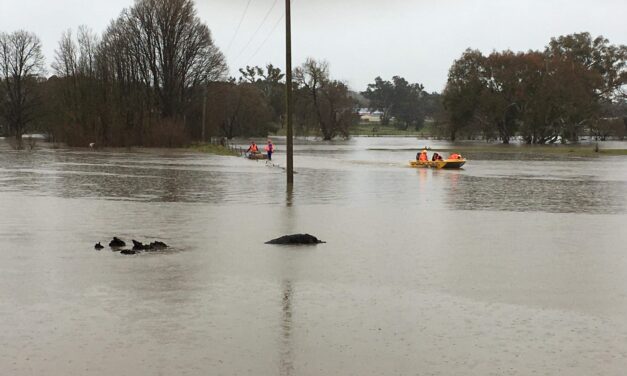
[(516, 265)]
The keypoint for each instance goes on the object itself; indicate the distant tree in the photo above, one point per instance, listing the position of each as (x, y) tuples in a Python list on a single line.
[(305, 114), (542, 96), (381, 97), (407, 105), (21, 67), (463, 89), (173, 50), (608, 61), (270, 82), (238, 110), (432, 104), (328, 99), (142, 81), (78, 88), (398, 99), (612, 122)]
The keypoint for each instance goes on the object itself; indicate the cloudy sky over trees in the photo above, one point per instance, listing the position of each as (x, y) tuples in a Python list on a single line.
[(360, 39)]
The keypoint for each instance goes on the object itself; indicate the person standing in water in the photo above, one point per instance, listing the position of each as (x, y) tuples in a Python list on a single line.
[(252, 149), (269, 149)]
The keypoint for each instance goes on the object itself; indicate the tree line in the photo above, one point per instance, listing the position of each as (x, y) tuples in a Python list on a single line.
[(155, 77), (575, 87)]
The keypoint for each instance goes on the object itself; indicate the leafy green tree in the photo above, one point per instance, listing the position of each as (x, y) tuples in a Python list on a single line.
[(270, 82), (398, 99), (596, 55), (463, 89), (407, 105), (381, 97), (544, 97)]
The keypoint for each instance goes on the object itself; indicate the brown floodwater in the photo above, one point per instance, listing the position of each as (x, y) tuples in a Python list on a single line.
[(515, 265)]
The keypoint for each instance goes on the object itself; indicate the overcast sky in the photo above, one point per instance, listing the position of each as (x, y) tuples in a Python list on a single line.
[(417, 39)]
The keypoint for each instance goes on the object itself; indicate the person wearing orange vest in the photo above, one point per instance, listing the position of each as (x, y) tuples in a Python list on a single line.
[(253, 148), (423, 156), (269, 149), (455, 156)]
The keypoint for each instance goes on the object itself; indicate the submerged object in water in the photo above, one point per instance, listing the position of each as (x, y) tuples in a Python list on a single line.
[(257, 156), (296, 239), (116, 242), (98, 246), (154, 246)]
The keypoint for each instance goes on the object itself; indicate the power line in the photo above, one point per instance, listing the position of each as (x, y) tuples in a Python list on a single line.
[(238, 25), (278, 22), (256, 31)]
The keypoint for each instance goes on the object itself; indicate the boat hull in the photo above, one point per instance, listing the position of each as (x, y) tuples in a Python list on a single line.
[(446, 164), (420, 164), (257, 156)]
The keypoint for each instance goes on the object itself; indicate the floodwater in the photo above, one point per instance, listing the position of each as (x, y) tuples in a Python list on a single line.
[(516, 265)]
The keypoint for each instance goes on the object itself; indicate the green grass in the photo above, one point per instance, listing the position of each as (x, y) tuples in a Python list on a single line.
[(214, 149), (614, 151)]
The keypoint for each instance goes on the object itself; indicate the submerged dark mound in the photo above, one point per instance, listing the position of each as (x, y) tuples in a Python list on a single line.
[(296, 239), (117, 242)]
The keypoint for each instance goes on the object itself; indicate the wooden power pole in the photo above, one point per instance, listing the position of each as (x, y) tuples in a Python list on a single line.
[(288, 93), (204, 113)]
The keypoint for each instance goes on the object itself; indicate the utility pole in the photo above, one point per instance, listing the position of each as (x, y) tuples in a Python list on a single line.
[(288, 93), (204, 112)]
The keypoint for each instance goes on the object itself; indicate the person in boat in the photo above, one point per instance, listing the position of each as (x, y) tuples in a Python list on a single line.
[(269, 149), (252, 149), (436, 157), (423, 157), (455, 156)]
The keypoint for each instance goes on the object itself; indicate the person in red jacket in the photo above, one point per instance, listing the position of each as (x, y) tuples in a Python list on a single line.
[(269, 149)]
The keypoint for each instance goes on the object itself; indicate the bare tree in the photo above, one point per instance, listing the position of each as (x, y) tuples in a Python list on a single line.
[(145, 74), (174, 49), (21, 65), (65, 62), (333, 107), (88, 43), (238, 109), (77, 85)]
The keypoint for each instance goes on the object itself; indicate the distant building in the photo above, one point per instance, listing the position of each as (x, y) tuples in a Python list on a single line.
[(370, 116)]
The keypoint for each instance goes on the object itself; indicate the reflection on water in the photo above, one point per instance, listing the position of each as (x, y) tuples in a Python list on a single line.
[(510, 266), (557, 196), (287, 366), (289, 194)]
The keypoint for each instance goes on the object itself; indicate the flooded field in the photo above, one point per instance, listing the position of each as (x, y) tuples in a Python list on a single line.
[(515, 265)]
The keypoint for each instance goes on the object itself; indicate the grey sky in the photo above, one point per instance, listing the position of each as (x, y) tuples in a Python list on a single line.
[(361, 39)]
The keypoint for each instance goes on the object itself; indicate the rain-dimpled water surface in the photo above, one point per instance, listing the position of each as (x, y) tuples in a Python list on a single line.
[(515, 265)]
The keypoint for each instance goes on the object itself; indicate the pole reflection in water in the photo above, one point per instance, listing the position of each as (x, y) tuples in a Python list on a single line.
[(286, 360), (289, 195)]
